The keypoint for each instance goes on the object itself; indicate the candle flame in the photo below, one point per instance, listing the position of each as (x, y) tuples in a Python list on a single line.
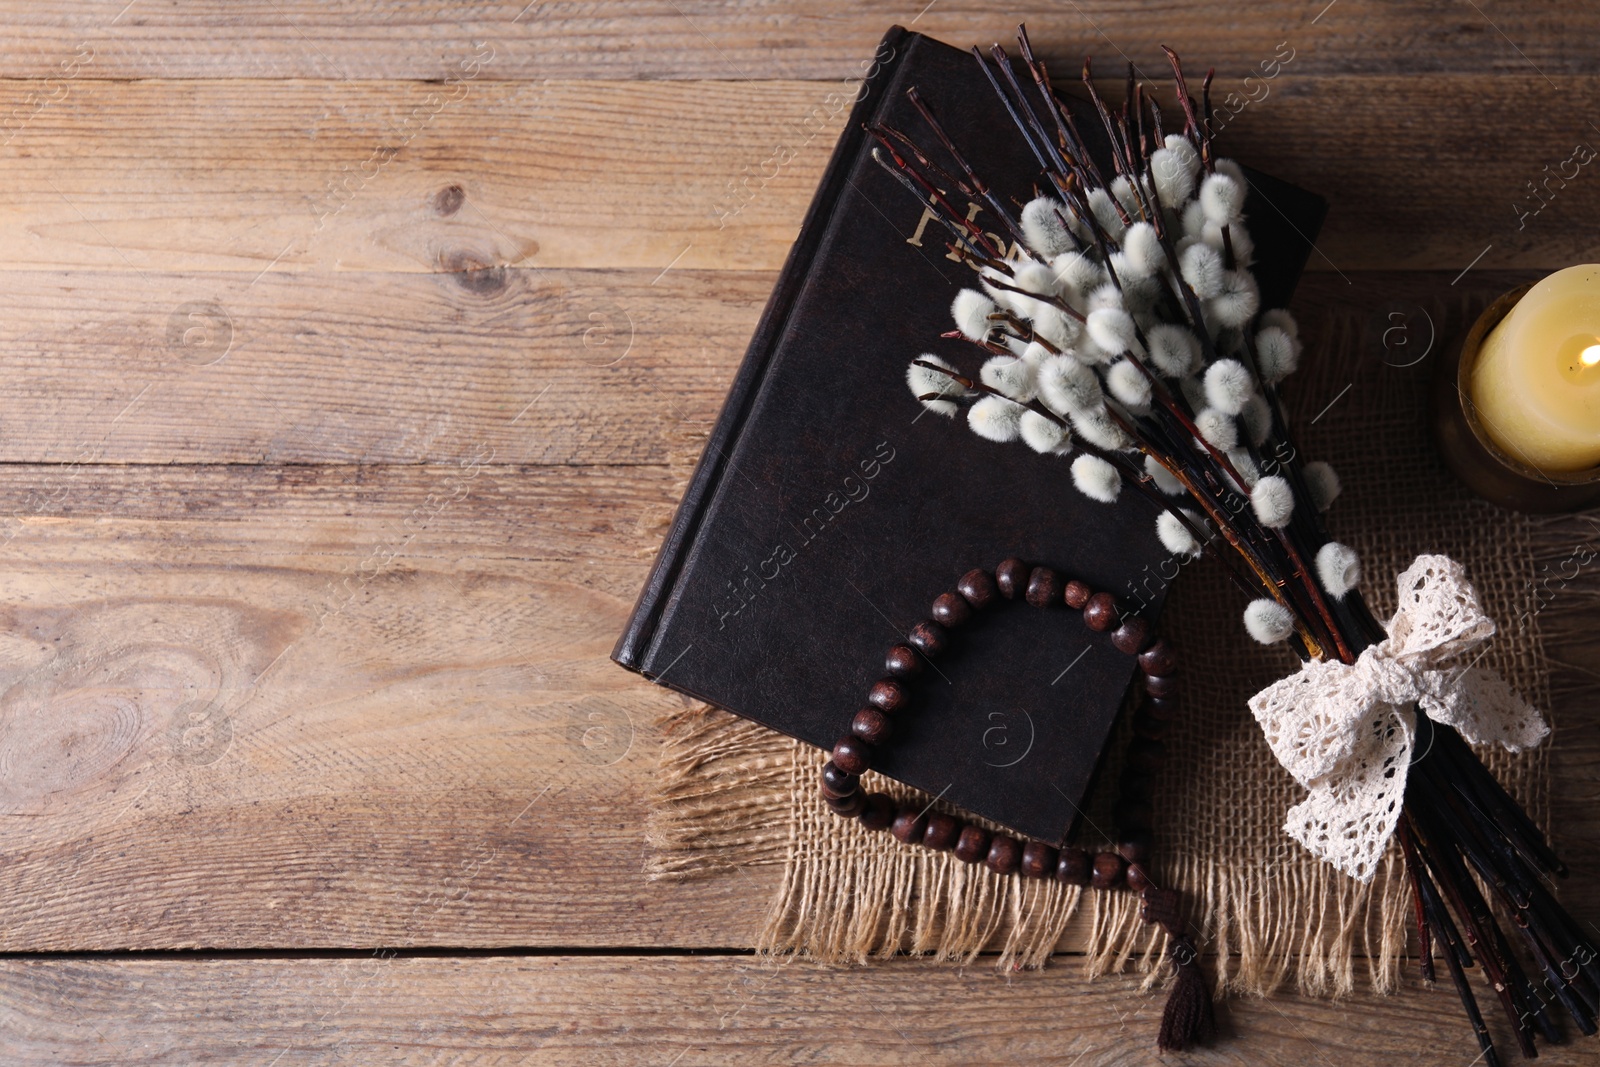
[(1590, 356)]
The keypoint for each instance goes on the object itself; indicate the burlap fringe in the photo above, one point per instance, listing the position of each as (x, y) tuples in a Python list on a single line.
[(1268, 922), (855, 897), (848, 896), (722, 796)]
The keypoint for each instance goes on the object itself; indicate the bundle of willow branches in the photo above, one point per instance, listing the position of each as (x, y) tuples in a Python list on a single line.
[(1125, 325)]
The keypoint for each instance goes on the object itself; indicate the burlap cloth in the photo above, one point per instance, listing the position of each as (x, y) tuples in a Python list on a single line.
[(734, 794)]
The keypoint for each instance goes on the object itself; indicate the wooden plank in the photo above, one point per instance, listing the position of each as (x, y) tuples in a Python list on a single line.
[(676, 1010), (700, 38), (523, 365), (286, 176), (410, 176), (334, 706), (249, 706), (619, 367)]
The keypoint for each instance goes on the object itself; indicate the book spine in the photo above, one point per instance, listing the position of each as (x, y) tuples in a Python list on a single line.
[(634, 647)]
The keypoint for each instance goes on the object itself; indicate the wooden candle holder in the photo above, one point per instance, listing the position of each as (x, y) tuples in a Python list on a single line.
[(1474, 456)]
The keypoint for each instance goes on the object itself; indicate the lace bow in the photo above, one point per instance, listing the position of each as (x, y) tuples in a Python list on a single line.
[(1345, 731)]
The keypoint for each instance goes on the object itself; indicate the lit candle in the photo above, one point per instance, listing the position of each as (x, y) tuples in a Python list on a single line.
[(1536, 385)]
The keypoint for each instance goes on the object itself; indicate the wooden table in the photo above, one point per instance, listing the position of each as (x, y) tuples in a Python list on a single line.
[(355, 357)]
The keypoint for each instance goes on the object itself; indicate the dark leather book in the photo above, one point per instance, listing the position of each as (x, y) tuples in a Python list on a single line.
[(828, 509)]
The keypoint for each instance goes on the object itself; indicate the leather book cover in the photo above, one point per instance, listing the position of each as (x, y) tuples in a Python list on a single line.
[(828, 509)]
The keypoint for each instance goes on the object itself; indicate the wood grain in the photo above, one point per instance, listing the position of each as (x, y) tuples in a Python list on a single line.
[(289, 176), (707, 1010), (341, 706), (766, 39), (350, 706), (355, 356), (523, 366), (526, 366)]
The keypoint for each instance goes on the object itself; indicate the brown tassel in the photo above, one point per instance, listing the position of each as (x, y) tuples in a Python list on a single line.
[(1189, 1017)]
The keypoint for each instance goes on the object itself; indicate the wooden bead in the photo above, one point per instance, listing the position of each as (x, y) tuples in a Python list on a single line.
[(1044, 588), (973, 844), (1145, 755), (909, 825), (1038, 860), (1077, 594), (1161, 685), (851, 754), (1005, 854), (951, 609), (1135, 846), (977, 585), (1131, 636), (837, 783), (849, 806), (1074, 867), (1163, 708), (878, 812), (1108, 870), (929, 638), (1011, 578), (831, 793), (887, 695), (903, 661), (871, 725), (1137, 880), (1100, 613), (1159, 658), (943, 831)]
